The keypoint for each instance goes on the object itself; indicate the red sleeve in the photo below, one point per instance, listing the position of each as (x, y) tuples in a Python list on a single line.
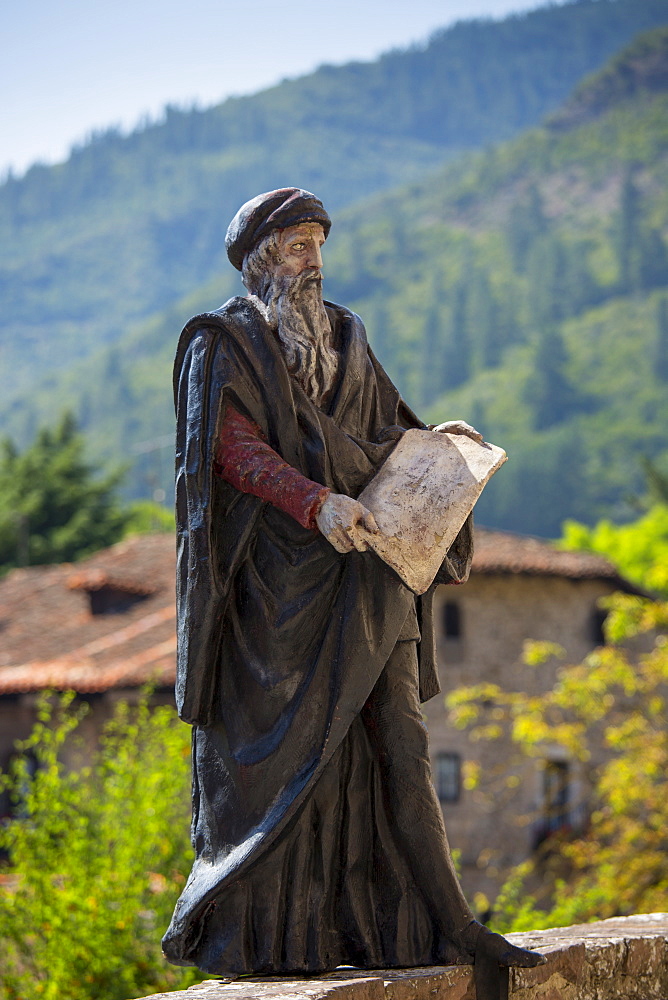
[(246, 461)]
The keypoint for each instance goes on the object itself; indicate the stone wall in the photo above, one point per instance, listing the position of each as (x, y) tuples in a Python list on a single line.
[(496, 825), (625, 958)]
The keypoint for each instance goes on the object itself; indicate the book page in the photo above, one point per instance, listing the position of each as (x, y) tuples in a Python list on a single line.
[(421, 497)]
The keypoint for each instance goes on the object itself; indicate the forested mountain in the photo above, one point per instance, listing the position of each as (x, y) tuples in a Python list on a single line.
[(523, 288), (526, 289), (131, 223)]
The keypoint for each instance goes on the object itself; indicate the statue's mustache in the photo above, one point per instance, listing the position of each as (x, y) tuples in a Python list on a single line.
[(311, 276), (294, 284)]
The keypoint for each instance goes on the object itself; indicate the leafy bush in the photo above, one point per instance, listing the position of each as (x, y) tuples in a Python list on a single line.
[(639, 550), (145, 516), (616, 700), (98, 854)]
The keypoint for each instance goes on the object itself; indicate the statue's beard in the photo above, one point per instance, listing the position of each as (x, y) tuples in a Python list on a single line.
[(294, 308)]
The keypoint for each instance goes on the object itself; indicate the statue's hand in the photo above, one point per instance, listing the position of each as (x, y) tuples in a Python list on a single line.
[(343, 521), (459, 427)]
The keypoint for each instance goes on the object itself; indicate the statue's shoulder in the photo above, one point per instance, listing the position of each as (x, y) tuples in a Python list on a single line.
[(238, 318), (236, 312), (234, 322)]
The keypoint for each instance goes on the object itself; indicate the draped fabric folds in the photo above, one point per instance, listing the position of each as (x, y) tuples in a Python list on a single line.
[(281, 642)]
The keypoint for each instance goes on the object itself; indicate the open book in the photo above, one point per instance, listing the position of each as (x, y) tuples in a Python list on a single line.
[(421, 497)]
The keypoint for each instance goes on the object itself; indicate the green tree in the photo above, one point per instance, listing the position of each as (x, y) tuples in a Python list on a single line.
[(144, 517), (98, 853), (455, 358), (653, 258), (661, 350), (642, 256), (580, 286), (52, 506), (629, 235), (639, 550), (547, 276), (612, 700), (484, 324), (657, 481), (549, 391), (433, 343), (526, 224)]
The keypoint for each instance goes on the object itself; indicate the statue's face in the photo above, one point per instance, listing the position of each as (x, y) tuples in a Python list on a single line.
[(299, 247)]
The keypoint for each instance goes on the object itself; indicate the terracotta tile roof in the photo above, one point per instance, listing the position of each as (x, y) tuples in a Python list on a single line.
[(92, 580), (504, 552), (50, 638)]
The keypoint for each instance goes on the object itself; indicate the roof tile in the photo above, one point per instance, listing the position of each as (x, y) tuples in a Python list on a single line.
[(51, 639)]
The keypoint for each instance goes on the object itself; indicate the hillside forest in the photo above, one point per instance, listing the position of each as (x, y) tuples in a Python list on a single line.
[(500, 224)]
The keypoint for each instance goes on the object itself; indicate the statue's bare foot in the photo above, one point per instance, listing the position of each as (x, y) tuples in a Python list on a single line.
[(479, 940)]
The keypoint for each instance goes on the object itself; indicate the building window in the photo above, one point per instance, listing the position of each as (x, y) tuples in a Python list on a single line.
[(448, 776), (555, 814), (109, 600), (107, 596), (12, 804), (555, 793), (596, 623), (452, 620)]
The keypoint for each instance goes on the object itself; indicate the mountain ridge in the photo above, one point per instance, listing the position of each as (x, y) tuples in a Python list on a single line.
[(641, 67), (131, 223), (483, 286)]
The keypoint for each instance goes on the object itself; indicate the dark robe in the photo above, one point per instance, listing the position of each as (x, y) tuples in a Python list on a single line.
[(281, 642)]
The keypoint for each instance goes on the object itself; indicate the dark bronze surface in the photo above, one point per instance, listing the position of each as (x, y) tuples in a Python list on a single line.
[(319, 839)]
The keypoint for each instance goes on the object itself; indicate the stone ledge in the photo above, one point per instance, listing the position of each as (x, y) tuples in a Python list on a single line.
[(625, 957)]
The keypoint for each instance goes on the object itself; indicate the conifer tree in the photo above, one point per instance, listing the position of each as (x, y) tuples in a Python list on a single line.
[(547, 278), (482, 321), (456, 353), (526, 224), (579, 284), (382, 331), (653, 263), (661, 355), (629, 236), (550, 392), (52, 506), (433, 343)]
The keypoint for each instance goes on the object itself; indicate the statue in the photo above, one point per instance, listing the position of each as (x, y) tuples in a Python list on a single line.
[(302, 657)]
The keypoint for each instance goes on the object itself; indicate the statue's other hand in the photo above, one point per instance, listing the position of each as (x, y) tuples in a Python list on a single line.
[(459, 427), (344, 522)]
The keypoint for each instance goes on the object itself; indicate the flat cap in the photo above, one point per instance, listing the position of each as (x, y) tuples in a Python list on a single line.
[(273, 210)]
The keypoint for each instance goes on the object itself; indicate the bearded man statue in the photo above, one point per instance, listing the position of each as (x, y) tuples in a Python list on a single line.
[(302, 657)]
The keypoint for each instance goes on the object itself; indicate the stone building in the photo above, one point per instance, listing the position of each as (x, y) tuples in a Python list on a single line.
[(102, 627), (105, 626), (520, 588)]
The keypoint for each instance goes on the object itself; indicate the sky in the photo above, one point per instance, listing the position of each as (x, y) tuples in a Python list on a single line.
[(73, 66)]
